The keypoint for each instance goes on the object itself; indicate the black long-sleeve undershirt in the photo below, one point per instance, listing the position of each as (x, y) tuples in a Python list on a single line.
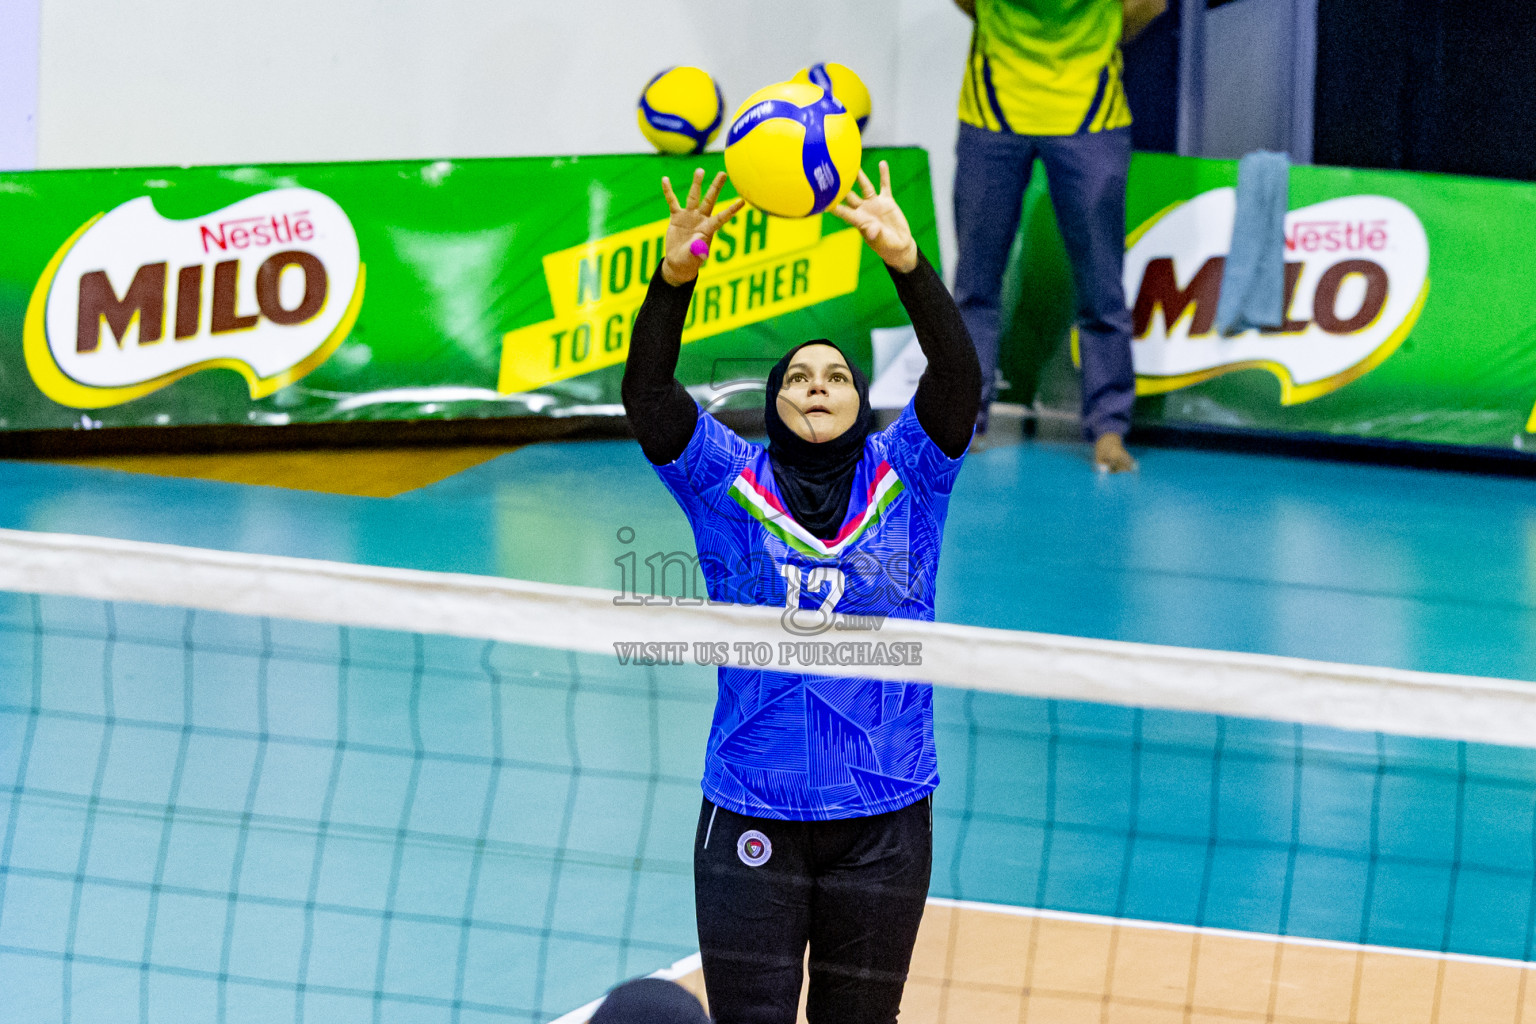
[(949, 391), (663, 414)]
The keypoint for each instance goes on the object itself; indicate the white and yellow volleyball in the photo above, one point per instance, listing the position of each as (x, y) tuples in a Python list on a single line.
[(840, 81), (793, 149), (681, 110)]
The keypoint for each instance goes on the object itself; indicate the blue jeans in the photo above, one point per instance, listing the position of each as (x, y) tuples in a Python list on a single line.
[(1087, 174)]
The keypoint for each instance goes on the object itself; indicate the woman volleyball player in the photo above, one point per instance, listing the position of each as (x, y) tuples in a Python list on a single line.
[(816, 827)]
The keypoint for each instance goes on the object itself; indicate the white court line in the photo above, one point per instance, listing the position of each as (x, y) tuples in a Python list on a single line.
[(1225, 933), (688, 965)]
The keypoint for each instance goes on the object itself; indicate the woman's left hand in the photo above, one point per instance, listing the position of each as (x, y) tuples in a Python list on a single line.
[(880, 220)]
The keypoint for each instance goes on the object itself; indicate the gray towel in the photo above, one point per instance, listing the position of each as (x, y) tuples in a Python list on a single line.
[(1253, 283)]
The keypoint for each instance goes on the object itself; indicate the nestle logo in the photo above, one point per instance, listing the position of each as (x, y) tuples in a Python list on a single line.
[(255, 232), (1336, 236)]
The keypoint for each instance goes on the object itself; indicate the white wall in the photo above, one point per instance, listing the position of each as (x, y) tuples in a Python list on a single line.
[(18, 83), (215, 81), (1260, 60), (932, 41)]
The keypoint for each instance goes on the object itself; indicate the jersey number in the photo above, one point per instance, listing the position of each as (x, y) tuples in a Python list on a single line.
[(821, 618)]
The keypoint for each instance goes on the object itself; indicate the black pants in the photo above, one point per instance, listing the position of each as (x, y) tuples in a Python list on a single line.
[(854, 889)]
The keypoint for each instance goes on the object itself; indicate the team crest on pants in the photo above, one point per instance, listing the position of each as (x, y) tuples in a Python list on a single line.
[(754, 849)]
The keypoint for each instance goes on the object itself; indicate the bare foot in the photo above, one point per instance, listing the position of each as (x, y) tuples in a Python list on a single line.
[(1110, 456)]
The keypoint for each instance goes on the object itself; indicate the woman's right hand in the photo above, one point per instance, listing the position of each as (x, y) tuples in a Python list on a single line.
[(692, 227)]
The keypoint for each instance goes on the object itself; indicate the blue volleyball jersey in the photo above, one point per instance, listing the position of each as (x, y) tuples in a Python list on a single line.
[(800, 745)]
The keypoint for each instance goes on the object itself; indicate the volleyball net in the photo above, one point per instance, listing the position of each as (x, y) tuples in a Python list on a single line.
[(243, 788)]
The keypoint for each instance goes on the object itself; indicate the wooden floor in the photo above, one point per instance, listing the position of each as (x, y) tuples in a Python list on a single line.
[(364, 472), (990, 965)]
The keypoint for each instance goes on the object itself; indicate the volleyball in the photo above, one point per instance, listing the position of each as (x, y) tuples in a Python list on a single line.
[(680, 110), (793, 149), (841, 82)]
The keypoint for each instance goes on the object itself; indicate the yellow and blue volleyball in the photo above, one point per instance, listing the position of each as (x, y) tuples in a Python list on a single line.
[(840, 81), (681, 110), (792, 149)]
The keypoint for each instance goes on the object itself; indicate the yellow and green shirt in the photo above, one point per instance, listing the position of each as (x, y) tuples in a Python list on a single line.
[(1045, 67)]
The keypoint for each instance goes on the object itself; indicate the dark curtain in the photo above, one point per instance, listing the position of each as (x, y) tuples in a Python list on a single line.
[(1152, 83), (1427, 85)]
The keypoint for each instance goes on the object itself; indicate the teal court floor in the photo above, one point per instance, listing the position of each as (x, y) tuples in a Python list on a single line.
[(1363, 564), (208, 817)]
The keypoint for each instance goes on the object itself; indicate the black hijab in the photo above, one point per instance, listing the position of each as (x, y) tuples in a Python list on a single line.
[(815, 479)]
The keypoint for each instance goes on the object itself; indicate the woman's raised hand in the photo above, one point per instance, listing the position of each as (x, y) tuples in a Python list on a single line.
[(692, 226), (880, 220)]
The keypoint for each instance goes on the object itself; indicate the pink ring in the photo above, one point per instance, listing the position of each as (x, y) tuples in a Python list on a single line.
[(699, 247)]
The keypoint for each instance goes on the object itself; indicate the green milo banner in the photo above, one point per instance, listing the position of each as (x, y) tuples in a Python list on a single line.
[(271, 295), (1410, 307)]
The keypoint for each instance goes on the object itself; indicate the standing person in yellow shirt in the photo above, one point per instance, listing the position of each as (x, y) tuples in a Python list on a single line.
[(1043, 80)]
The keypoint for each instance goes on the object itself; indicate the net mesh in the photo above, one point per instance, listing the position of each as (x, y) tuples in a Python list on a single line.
[(223, 818), (1237, 824), (229, 818)]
